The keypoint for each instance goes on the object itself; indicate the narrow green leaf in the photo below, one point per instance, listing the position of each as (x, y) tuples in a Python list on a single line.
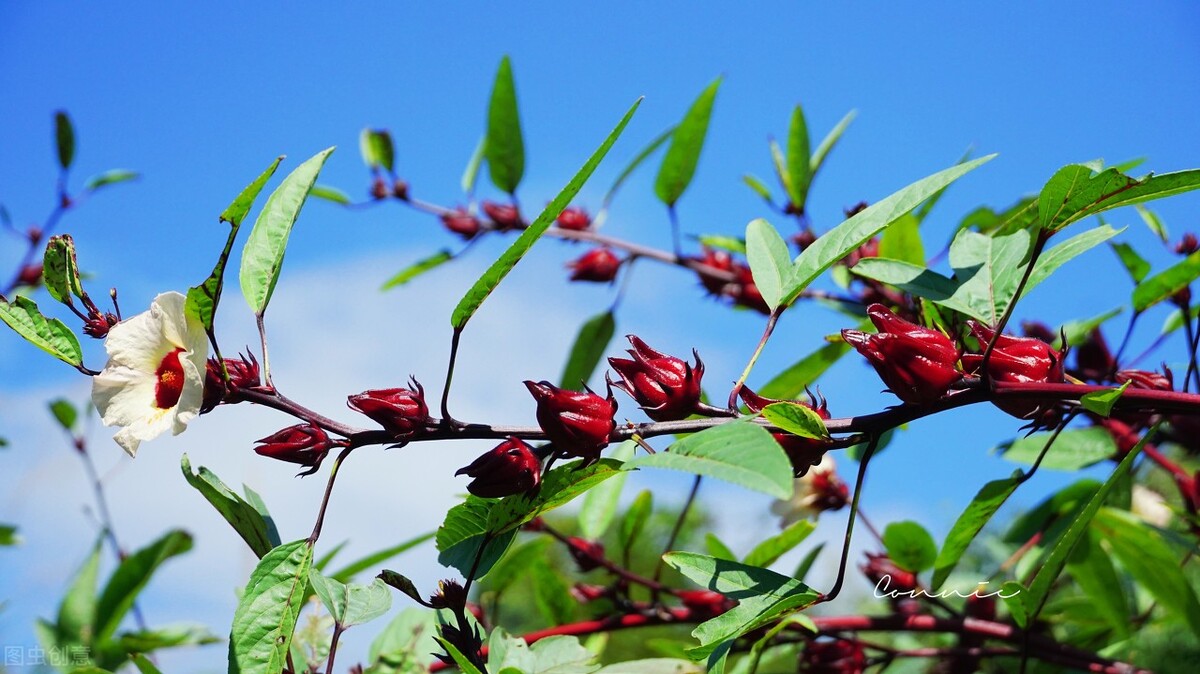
[(48, 334), (600, 502), (504, 148), (376, 558), (375, 146), (262, 258), (65, 413), (515, 565), (726, 243), (1073, 450), (910, 546), (770, 262), (637, 161), (1013, 594), (465, 531), (799, 170), (75, 625), (968, 525), (268, 609), (331, 194), (760, 188), (131, 576), (634, 522), (463, 663), (807, 563), (1057, 256), (558, 488), (471, 172), (902, 241), (837, 242), (593, 338), (500, 268), (60, 271), (1135, 264), (1101, 402), (1154, 222), (236, 212), (147, 641), (739, 452), (64, 135), (827, 143), (417, 268), (792, 381), (687, 140), (1166, 283), (144, 665), (111, 177), (1093, 570), (779, 160), (796, 419), (768, 551), (242, 516), (1078, 331), (717, 548), (1174, 320), (260, 507)]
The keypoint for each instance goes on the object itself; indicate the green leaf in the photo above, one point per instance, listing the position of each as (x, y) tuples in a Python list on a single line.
[(376, 558), (902, 241), (262, 258), (500, 268), (351, 604), (268, 609), (131, 576), (471, 172), (144, 665), (1174, 320), (1154, 222), (717, 548), (968, 525), (780, 163), (1144, 553), (48, 334), (1135, 264), (504, 148), (75, 625), (260, 507), (792, 381), (1101, 402), (1013, 594), (767, 552), (236, 212), (1093, 570), (111, 177), (375, 146), (759, 188), (827, 143), (637, 161), (988, 270), (839, 241), (242, 516), (799, 171), (739, 452), (1076, 191), (1043, 517), (463, 663), (653, 666), (147, 641), (553, 655), (910, 546), (763, 596), (1050, 260), (796, 419), (1074, 449), (465, 531), (64, 413), (331, 194), (551, 594), (558, 488), (64, 135), (807, 563), (726, 243), (600, 502), (405, 644), (593, 338), (8, 535), (60, 271), (1166, 283), (1077, 332), (515, 565), (634, 522), (417, 268), (679, 164), (770, 262), (911, 278)]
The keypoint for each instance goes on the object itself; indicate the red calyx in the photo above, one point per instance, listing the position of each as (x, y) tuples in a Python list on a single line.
[(917, 364), (598, 265), (510, 467), (579, 424), (401, 411), (1016, 359), (304, 444), (461, 223), (505, 216), (667, 388), (575, 219)]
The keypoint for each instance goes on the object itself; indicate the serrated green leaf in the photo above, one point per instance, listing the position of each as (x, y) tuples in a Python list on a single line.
[(465, 531), (839, 241), (910, 546), (558, 487), (679, 165), (111, 177), (268, 609), (131, 576), (799, 170), (48, 334), (968, 525), (792, 381), (590, 343), (60, 271), (375, 146), (374, 559), (739, 452), (1076, 191), (600, 502), (504, 147), (771, 549), (770, 262), (1166, 283), (1101, 402), (262, 257), (64, 413), (1053, 258), (331, 194), (796, 419), (1073, 450), (64, 136), (242, 516), (553, 655), (351, 604), (500, 268), (417, 268)]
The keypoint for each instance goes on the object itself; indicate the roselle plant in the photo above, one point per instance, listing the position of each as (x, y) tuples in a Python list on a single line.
[(1091, 580)]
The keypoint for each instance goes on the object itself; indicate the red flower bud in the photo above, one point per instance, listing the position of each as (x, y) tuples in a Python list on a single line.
[(450, 595), (1093, 359), (745, 292), (706, 603), (509, 468), (1147, 380), (304, 444), (1187, 245), (886, 576), (1016, 359), (917, 364), (400, 411), (243, 374), (461, 223), (575, 219), (868, 249), (805, 238), (666, 387), (379, 188), (599, 265), (981, 606), (400, 189), (34, 234), (31, 275), (719, 261), (579, 424), (588, 555), (841, 656), (505, 216), (97, 325)]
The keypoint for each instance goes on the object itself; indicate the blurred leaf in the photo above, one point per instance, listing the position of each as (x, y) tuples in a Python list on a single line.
[(806, 564), (551, 594), (131, 576), (1022, 215), (1093, 570), (739, 452), (144, 665), (1166, 283), (653, 666), (839, 241), (635, 519), (77, 612), (471, 172), (64, 413), (376, 558), (902, 241), (770, 262), (558, 487), (797, 419), (1050, 260), (504, 147), (717, 548), (1174, 320), (759, 188), (351, 604), (147, 641), (262, 257), (1074, 449), (771, 549), (799, 171), (1135, 264), (242, 516), (1057, 506), (1077, 332), (417, 268), (331, 194), (463, 663), (375, 146), (8, 535), (910, 546), (835, 134), (515, 564), (500, 268), (268, 609), (465, 531), (111, 177), (552, 655), (236, 212), (792, 381), (726, 243), (60, 271), (600, 502), (1153, 222), (593, 338), (1101, 402), (48, 334), (968, 525), (687, 140), (637, 160), (405, 645), (64, 135)]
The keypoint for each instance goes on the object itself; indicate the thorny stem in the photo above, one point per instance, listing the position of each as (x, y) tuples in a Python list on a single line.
[(679, 521), (762, 343)]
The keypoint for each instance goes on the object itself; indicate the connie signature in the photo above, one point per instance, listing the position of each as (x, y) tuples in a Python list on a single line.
[(883, 589)]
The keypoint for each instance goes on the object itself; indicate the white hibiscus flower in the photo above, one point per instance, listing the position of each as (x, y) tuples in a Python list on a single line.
[(154, 378), (820, 489)]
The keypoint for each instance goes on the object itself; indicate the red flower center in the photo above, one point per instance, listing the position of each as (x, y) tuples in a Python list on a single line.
[(169, 386)]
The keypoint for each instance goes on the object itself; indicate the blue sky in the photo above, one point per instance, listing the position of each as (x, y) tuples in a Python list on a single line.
[(200, 99)]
